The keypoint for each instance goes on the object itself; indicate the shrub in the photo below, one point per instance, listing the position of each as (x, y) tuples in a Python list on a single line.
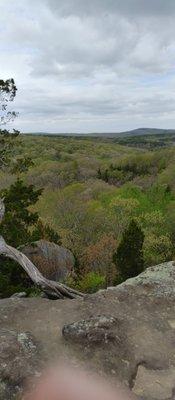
[(90, 283), (157, 249)]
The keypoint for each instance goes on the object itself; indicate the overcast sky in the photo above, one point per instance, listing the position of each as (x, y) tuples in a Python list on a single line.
[(90, 66)]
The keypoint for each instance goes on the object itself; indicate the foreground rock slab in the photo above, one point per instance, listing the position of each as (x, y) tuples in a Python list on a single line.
[(126, 333), (18, 361)]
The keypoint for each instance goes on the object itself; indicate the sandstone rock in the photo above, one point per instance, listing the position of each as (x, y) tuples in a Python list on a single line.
[(53, 261), (18, 361), (126, 333)]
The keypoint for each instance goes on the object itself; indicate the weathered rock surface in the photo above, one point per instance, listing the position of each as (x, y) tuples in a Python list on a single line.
[(53, 261), (18, 361), (126, 332), (156, 384), (94, 330)]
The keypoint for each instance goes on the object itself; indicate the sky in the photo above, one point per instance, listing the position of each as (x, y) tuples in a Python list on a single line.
[(89, 66)]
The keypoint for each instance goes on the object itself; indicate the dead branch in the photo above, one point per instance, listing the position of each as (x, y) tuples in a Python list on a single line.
[(52, 289)]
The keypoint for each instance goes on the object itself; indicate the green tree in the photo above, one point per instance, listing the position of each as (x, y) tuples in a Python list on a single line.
[(18, 219), (157, 249), (129, 255), (9, 141), (20, 226)]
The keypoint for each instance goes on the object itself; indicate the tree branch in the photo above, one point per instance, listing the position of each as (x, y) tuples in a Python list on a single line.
[(51, 288)]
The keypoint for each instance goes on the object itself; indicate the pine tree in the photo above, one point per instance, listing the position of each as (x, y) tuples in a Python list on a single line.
[(129, 255)]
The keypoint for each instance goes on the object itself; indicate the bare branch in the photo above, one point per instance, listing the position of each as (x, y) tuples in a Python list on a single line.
[(53, 289)]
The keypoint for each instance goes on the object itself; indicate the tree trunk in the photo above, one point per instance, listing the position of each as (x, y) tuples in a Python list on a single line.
[(52, 289)]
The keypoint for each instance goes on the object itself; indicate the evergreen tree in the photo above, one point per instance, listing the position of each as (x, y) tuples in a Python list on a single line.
[(129, 255), (20, 226), (18, 219)]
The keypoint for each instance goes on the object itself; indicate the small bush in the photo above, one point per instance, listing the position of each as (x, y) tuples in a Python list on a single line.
[(90, 283)]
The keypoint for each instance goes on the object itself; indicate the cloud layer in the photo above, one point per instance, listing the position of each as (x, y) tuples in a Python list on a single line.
[(106, 65)]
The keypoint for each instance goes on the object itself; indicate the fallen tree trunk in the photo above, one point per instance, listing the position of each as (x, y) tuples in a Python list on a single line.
[(51, 288)]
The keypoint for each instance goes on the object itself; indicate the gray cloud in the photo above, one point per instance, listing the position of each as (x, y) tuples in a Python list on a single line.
[(127, 7), (90, 66)]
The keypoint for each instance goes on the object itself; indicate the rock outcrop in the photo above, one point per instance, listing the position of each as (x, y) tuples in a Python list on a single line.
[(19, 360), (53, 261), (126, 333), (96, 330)]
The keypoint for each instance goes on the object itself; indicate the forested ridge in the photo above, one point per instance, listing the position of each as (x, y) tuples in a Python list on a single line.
[(88, 191)]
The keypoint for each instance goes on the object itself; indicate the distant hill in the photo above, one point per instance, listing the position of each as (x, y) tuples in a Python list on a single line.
[(134, 132), (137, 132)]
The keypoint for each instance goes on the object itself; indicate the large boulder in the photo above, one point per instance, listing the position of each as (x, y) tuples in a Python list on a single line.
[(126, 333), (53, 261)]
